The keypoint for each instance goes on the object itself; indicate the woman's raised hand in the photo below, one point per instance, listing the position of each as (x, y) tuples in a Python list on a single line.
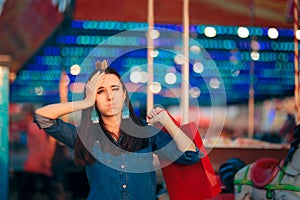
[(92, 87), (53, 111), (157, 115)]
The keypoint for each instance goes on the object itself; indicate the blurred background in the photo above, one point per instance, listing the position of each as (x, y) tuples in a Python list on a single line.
[(241, 68)]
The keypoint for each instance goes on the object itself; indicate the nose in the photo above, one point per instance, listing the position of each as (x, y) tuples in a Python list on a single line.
[(109, 95)]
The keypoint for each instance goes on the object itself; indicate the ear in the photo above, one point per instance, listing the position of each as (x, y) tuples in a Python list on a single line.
[(124, 95)]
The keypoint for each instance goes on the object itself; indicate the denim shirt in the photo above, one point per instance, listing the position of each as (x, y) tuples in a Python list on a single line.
[(126, 176)]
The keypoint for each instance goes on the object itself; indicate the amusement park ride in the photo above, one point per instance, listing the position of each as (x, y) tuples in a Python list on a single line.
[(269, 178), (270, 173)]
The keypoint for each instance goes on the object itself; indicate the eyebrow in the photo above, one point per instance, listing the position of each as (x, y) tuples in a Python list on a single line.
[(112, 86)]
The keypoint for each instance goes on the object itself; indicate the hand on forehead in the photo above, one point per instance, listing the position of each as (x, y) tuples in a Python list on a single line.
[(109, 80)]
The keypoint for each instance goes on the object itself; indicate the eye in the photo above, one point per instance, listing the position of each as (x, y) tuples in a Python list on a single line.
[(100, 91), (115, 88)]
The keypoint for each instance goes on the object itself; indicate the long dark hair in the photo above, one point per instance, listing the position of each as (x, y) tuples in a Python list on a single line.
[(89, 132)]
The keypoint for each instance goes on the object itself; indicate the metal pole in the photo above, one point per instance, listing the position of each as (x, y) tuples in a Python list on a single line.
[(251, 88), (150, 43), (63, 91), (185, 66), (296, 61), (4, 119)]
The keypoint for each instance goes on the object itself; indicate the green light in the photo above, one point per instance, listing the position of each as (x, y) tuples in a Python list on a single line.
[(78, 51), (89, 24), (51, 60), (245, 56), (274, 46), (283, 57), (82, 40), (258, 31), (268, 56), (231, 30), (24, 74), (200, 29), (229, 44)]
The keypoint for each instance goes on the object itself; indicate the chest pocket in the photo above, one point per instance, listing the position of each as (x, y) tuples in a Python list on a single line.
[(140, 162), (134, 162)]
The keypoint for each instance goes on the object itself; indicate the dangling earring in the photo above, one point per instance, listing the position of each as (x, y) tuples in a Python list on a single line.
[(94, 116), (125, 112)]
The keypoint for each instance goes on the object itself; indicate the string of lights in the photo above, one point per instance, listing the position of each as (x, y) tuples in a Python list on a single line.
[(229, 47)]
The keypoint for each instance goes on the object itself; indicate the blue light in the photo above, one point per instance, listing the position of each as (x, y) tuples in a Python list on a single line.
[(77, 24), (276, 57)]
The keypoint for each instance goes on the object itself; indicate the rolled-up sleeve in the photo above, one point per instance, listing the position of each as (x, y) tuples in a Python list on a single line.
[(57, 128), (190, 157)]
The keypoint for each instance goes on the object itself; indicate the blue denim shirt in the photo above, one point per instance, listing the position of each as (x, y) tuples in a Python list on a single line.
[(126, 176)]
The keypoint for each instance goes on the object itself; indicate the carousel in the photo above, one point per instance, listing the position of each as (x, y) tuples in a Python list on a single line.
[(242, 166)]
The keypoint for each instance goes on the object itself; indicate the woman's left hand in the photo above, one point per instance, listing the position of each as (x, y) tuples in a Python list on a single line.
[(157, 115), (183, 142)]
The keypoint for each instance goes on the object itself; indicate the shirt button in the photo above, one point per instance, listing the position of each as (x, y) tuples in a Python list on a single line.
[(122, 166), (124, 186)]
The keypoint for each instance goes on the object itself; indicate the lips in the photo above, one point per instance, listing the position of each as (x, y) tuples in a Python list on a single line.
[(113, 105)]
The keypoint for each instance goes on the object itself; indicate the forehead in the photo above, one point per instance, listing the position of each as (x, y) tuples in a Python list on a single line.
[(109, 80)]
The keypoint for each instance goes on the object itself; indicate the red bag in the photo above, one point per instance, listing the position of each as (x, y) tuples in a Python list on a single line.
[(191, 182)]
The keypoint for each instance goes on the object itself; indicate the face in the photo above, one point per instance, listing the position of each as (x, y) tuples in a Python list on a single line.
[(110, 96)]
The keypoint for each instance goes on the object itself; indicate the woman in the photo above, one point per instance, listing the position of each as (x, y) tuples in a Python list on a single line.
[(117, 148)]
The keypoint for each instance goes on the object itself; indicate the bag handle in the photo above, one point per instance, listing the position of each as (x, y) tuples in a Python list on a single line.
[(176, 122)]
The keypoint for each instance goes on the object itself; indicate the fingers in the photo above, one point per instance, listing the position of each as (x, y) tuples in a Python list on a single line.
[(92, 87), (96, 79), (154, 112), (157, 115)]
